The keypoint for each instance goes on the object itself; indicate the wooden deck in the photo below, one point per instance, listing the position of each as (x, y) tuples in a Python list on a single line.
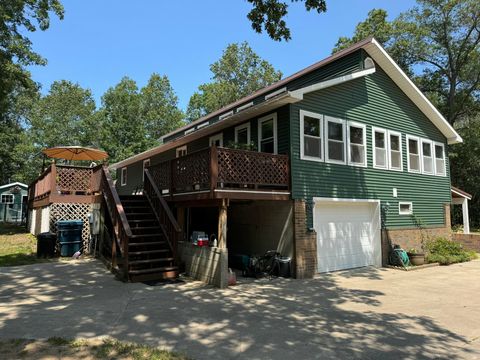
[(66, 184), (221, 173)]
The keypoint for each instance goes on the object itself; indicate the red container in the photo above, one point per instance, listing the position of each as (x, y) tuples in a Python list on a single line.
[(202, 242)]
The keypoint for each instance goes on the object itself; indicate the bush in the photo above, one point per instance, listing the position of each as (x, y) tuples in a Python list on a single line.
[(447, 252)]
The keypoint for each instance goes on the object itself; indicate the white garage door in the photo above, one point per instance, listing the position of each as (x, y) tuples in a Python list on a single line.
[(348, 235)]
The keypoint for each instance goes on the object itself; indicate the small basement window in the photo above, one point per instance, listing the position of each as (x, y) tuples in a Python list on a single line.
[(7, 198), (123, 176), (405, 208)]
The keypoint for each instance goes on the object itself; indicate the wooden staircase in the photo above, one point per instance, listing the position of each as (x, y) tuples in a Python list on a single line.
[(149, 254), (144, 232)]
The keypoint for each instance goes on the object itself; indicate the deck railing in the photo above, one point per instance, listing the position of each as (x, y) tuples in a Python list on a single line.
[(65, 180), (221, 168)]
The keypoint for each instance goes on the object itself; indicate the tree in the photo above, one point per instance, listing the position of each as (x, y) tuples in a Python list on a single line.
[(238, 73), (63, 116), (269, 15), (159, 107)]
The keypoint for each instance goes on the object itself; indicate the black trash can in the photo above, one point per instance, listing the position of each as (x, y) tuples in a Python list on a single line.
[(284, 266), (69, 233), (46, 245)]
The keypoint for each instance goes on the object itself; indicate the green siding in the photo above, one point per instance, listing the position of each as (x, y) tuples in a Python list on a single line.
[(376, 101)]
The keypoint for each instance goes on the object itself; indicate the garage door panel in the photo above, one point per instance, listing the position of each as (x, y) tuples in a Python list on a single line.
[(346, 235)]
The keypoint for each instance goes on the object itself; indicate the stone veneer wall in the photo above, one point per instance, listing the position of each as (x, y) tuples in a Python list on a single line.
[(305, 260), (409, 238)]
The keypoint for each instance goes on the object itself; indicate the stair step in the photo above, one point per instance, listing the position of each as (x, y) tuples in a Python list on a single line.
[(142, 220), (139, 236), (139, 214), (167, 275), (152, 270), (140, 199), (132, 197), (147, 252), (148, 261), (148, 243), (140, 207), (146, 228)]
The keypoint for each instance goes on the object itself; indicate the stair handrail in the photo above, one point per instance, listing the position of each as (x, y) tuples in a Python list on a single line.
[(169, 225), (122, 230)]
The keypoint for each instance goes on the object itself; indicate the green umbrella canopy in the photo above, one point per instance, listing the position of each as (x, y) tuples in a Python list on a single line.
[(75, 153)]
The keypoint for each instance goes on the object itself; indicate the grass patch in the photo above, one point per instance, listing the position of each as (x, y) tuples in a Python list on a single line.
[(17, 247), (447, 252), (57, 347)]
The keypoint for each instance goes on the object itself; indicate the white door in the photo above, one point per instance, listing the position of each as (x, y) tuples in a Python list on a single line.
[(348, 235)]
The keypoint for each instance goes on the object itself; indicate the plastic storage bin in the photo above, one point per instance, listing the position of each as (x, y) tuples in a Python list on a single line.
[(69, 234)]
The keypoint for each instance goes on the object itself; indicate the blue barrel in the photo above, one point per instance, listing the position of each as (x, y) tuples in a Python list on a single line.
[(69, 235)]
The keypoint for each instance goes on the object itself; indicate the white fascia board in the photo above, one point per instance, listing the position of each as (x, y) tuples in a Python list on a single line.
[(462, 195), (332, 82), (381, 57), (14, 184)]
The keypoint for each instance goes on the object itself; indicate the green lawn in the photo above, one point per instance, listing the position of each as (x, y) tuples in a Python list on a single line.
[(17, 246), (59, 348)]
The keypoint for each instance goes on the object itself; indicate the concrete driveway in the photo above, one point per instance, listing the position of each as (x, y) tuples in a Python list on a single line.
[(365, 313)]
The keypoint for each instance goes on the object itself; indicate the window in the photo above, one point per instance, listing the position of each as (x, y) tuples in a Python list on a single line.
[(357, 140), (427, 158), (395, 151), (440, 159), (405, 208), (7, 198), (379, 140), (123, 176), (335, 138), (311, 128), (146, 164), (181, 151), (267, 134), (413, 151), (242, 134), (216, 140)]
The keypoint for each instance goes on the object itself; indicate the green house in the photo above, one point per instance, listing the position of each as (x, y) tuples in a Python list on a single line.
[(13, 202), (330, 166)]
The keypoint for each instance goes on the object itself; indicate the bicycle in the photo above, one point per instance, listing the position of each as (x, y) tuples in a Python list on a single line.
[(264, 266)]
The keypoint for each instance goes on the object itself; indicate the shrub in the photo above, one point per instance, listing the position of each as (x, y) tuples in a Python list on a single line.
[(447, 252)]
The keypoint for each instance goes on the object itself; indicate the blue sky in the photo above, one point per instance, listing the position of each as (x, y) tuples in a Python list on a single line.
[(99, 42)]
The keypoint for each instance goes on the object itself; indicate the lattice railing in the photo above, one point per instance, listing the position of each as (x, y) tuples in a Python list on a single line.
[(162, 176), (191, 172), (74, 179)]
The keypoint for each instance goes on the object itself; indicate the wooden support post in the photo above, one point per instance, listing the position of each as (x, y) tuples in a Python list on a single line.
[(181, 221), (53, 179), (222, 224), (213, 170)]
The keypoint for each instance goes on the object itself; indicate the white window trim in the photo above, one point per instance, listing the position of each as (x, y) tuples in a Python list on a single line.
[(444, 159), (361, 126), (320, 117), (180, 148), (420, 162), (11, 196), (385, 133), (241, 127), (432, 154), (144, 166), (327, 155), (214, 138), (400, 212), (261, 120), (394, 133), (123, 176)]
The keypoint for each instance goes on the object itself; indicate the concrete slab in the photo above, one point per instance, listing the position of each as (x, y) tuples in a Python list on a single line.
[(365, 313)]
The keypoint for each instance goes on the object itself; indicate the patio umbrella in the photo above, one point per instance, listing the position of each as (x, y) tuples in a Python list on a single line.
[(75, 153)]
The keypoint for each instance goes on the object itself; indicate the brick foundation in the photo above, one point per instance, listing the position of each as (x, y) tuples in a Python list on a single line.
[(305, 243), (469, 241)]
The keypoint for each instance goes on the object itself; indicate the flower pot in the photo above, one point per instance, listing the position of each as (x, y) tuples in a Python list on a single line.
[(416, 259)]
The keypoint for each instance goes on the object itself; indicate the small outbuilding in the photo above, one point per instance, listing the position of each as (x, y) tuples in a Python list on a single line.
[(13, 202)]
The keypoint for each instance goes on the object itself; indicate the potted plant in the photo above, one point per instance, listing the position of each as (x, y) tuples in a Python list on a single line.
[(415, 257)]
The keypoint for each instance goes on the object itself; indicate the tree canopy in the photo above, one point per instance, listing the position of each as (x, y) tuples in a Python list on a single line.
[(238, 73)]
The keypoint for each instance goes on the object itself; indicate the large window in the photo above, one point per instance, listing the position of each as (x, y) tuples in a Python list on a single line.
[(413, 151), (335, 139), (395, 151), (267, 134), (440, 168), (427, 158), (7, 198), (242, 134), (357, 144), (216, 140), (311, 126), (379, 141), (123, 177)]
